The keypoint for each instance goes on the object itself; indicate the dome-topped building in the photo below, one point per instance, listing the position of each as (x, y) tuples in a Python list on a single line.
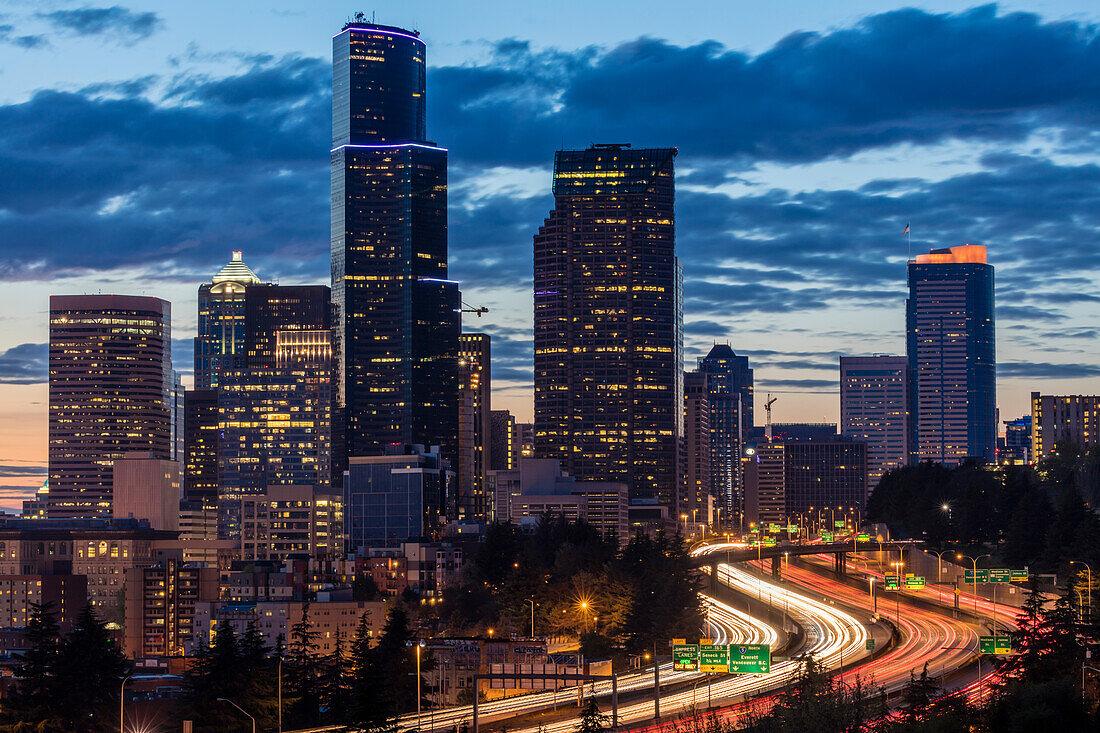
[(221, 319), (236, 271)]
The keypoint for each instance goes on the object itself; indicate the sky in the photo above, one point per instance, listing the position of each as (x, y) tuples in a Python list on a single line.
[(141, 143)]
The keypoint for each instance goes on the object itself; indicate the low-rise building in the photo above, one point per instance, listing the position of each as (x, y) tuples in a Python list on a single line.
[(160, 607), (275, 619), (68, 595)]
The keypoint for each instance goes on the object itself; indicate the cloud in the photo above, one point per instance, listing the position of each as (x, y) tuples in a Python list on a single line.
[(8, 471), (8, 35), (25, 364), (1042, 370), (115, 22), (824, 386)]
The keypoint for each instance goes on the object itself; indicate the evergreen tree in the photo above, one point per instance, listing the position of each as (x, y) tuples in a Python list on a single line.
[(919, 693), (31, 700), (365, 709), (592, 720), (334, 684), (396, 664), (90, 670), (303, 672)]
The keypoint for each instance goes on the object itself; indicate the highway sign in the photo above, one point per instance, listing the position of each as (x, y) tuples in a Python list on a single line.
[(769, 542), (1020, 576), (870, 645), (826, 536), (982, 576), (714, 657), (773, 527), (750, 659), (792, 528), (863, 537), (915, 582), (995, 644), (1000, 575), (838, 523), (892, 582), (685, 657)]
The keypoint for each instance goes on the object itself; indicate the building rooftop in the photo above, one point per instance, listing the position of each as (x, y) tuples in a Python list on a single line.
[(963, 254), (236, 271)]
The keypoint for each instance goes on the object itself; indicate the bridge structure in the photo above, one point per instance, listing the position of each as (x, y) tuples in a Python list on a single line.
[(728, 553)]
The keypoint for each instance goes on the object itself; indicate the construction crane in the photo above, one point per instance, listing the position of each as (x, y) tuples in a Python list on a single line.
[(768, 409), (467, 308)]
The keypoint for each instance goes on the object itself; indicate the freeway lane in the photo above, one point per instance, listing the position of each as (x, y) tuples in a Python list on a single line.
[(727, 625)]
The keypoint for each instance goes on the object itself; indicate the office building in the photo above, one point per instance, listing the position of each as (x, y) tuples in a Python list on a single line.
[(951, 348), (290, 520), (18, 593), (287, 315), (1014, 449), (502, 426), (221, 331), (874, 408), (791, 476), (696, 490), (392, 498), (160, 607), (146, 487), (110, 393), (474, 427), (539, 487), (609, 394), (200, 428), (1063, 419), (397, 315)]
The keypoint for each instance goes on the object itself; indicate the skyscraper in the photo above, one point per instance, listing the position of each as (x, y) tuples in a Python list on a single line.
[(110, 394), (221, 320), (397, 320), (472, 501), (951, 347), (874, 408), (727, 382), (609, 394)]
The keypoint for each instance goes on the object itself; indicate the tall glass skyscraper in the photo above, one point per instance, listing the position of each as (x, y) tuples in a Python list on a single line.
[(397, 316), (951, 347), (221, 335), (609, 389)]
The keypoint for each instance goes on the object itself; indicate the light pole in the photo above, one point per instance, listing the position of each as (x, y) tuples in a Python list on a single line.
[(419, 646), (121, 704), (532, 602), (1088, 588), (960, 556), (939, 563), (226, 699)]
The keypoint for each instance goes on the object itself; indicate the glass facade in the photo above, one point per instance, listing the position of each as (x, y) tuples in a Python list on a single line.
[(474, 427), (110, 393), (221, 333), (397, 315), (609, 321), (393, 498), (951, 348), (874, 408)]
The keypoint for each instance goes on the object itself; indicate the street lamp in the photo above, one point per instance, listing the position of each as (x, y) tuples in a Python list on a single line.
[(419, 647), (121, 703), (939, 563), (584, 607), (1089, 587), (960, 556), (225, 699)]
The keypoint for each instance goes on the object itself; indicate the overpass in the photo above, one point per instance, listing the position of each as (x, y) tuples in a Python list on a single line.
[(704, 556)]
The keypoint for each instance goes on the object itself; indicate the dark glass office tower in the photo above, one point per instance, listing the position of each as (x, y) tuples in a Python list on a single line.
[(609, 394), (951, 347), (727, 382), (396, 314), (221, 320)]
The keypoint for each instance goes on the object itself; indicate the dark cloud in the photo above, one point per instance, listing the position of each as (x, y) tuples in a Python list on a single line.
[(8, 471), (25, 364), (1041, 370), (821, 386), (114, 22), (710, 329), (8, 35)]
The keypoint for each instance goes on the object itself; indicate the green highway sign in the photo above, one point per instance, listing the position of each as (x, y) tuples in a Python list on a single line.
[(870, 645), (982, 576), (838, 523), (792, 528), (750, 659), (1000, 575), (769, 542), (995, 644), (714, 657), (863, 537), (914, 582), (685, 657), (826, 536), (892, 582), (773, 527), (997, 575), (1020, 576)]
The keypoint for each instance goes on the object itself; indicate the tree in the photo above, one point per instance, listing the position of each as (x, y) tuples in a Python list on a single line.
[(304, 667), (334, 684), (90, 669), (31, 701), (365, 708), (919, 693), (396, 664), (592, 720)]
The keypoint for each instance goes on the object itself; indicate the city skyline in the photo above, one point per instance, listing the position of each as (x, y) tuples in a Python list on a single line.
[(838, 300)]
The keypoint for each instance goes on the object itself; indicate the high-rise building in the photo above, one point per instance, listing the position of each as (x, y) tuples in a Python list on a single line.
[(147, 488), (221, 335), (274, 314), (795, 476), (1015, 448), (727, 381), (200, 430), (609, 394), (951, 347), (696, 490), (1063, 419), (110, 393), (472, 502), (874, 408), (397, 315), (502, 426)]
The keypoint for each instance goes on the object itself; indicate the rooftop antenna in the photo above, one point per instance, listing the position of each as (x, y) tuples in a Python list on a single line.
[(768, 409)]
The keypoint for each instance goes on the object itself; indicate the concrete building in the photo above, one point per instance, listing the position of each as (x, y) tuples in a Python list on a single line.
[(110, 394), (330, 620), (290, 520), (696, 490), (1063, 418), (792, 476), (160, 607), (502, 427), (67, 593), (874, 408), (472, 502), (146, 487)]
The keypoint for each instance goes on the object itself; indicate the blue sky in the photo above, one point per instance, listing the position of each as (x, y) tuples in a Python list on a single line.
[(141, 143)]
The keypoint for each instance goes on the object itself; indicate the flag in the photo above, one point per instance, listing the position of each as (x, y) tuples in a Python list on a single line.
[(906, 229)]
